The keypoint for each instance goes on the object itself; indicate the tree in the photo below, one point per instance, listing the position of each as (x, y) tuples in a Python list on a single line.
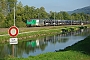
[(2, 20), (3, 7), (60, 15), (9, 20), (19, 22), (72, 17), (87, 17), (27, 14), (10, 5), (66, 16), (42, 13), (51, 15), (77, 16)]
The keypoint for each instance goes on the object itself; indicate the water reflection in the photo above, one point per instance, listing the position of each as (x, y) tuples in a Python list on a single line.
[(43, 45)]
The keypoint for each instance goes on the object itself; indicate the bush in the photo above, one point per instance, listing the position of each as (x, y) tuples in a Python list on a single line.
[(20, 24)]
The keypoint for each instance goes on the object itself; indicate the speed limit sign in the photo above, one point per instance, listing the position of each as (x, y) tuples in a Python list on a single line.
[(13, 31)]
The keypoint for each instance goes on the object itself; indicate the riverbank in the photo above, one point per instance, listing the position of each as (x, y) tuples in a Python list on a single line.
[(78, 51), (33, 32)]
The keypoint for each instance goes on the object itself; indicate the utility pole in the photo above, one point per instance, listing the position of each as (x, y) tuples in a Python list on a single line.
[(54, 18), (71, 20), (14, 14), (38, 15)]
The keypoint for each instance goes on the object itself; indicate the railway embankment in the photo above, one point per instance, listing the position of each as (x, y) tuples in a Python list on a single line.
[(25, 34)]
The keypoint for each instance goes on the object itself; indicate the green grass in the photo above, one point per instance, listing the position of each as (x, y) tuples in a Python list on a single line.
[(1, 33), (82, 46), (32, 35), (67, 55)]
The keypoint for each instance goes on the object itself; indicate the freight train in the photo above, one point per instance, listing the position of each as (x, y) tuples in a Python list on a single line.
[(43, 22)]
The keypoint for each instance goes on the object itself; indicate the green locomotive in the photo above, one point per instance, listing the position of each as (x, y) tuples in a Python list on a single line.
[(34, 22)]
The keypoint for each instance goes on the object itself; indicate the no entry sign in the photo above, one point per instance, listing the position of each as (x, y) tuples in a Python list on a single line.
[(13, 31)]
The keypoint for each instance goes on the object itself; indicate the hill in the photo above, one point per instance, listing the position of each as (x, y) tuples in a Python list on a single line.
[(85, 10)]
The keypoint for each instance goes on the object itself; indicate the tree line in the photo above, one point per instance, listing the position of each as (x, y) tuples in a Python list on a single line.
[(23, 13)]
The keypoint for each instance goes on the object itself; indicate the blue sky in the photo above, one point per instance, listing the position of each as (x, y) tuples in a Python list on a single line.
[(57, 5)]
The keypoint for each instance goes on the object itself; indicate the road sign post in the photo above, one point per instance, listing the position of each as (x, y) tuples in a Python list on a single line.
[(13, 40), (13, 32)]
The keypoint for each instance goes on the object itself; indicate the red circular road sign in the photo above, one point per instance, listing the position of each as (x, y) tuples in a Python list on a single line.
[(13, 31)]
